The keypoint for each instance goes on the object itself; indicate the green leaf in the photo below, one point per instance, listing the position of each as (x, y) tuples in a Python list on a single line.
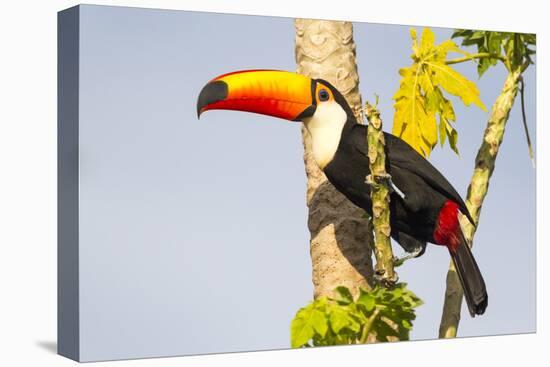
[(398, 292), (326, 322), (366, 300), (345, 295), (356, 318), (309, 321), (461, 33), (512, 46), (319, 322), (383, 330), (477, 35), (339, 319), (530, 38), (301, 328), (452, 134), (406, 324), (483, 66), (494, 43)]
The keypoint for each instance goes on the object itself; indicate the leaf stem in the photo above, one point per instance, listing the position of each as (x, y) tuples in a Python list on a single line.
[(524, 118), (480, 55), (368, 326)]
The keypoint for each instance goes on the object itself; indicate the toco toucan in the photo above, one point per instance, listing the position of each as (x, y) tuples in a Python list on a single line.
[(424, 206)]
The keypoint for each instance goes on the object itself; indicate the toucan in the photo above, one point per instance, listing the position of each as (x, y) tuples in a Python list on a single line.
[(424, 206)]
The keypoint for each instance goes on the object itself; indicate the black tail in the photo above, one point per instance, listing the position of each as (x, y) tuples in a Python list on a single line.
[(470, 277)]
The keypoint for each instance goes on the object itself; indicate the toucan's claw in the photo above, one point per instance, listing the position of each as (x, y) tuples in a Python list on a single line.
[(398, 261), (381, 278), (396, 189), (387, 179)]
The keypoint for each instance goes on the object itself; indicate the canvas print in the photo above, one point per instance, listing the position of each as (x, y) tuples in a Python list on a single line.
[(237, 183)]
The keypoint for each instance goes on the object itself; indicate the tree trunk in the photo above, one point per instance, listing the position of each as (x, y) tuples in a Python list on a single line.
[(484, 167), (341, 236)]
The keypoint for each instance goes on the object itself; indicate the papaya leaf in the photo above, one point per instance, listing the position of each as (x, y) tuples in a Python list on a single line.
[(309, 321), (420, 100), (301, 329), (442, 132), (512, 48), (366, 300), (319, 322), (454, 83), (339, 319), (387, 313), (345, 295), (452, 134)]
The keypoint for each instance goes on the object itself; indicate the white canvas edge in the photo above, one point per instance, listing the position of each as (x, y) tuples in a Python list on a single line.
[(27, 145)]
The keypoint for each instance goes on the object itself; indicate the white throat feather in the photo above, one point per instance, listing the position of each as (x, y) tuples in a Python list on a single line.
[(325, 128)]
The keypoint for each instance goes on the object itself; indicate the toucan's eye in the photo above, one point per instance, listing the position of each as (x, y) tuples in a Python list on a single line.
[(323, 95)]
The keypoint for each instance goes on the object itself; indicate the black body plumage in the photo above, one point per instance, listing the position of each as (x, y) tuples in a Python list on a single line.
[(414, 216), (424, 187)]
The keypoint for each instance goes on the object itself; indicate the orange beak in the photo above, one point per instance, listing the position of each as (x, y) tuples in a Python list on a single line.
[(268, 92)]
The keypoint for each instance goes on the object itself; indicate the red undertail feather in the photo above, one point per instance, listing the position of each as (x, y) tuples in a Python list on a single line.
[(447, 230), (448, 233)]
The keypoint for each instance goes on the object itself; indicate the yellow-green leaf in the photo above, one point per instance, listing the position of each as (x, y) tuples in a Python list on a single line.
[(442, 132), (301, 329), (415, 44), (456, 84), (427, 41), (412, 121), (319, 322), (419, 99), (453, 135), (339, 319)]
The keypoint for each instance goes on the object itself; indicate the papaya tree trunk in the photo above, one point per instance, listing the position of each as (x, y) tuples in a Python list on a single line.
[(477, 190), (380, 195), (341, 236)]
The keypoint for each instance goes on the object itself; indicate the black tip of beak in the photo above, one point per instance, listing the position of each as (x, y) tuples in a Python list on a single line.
[(211, 93)]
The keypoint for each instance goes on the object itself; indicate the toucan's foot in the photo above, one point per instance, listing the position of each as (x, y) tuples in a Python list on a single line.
[(381, 278), (398, 261), (376, 179), (370, 180)]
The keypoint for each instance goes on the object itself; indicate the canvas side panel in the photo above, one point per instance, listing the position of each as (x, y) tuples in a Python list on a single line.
[(67, 183)]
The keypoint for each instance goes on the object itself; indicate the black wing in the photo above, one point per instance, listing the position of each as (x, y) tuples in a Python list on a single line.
[(401, 155)]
